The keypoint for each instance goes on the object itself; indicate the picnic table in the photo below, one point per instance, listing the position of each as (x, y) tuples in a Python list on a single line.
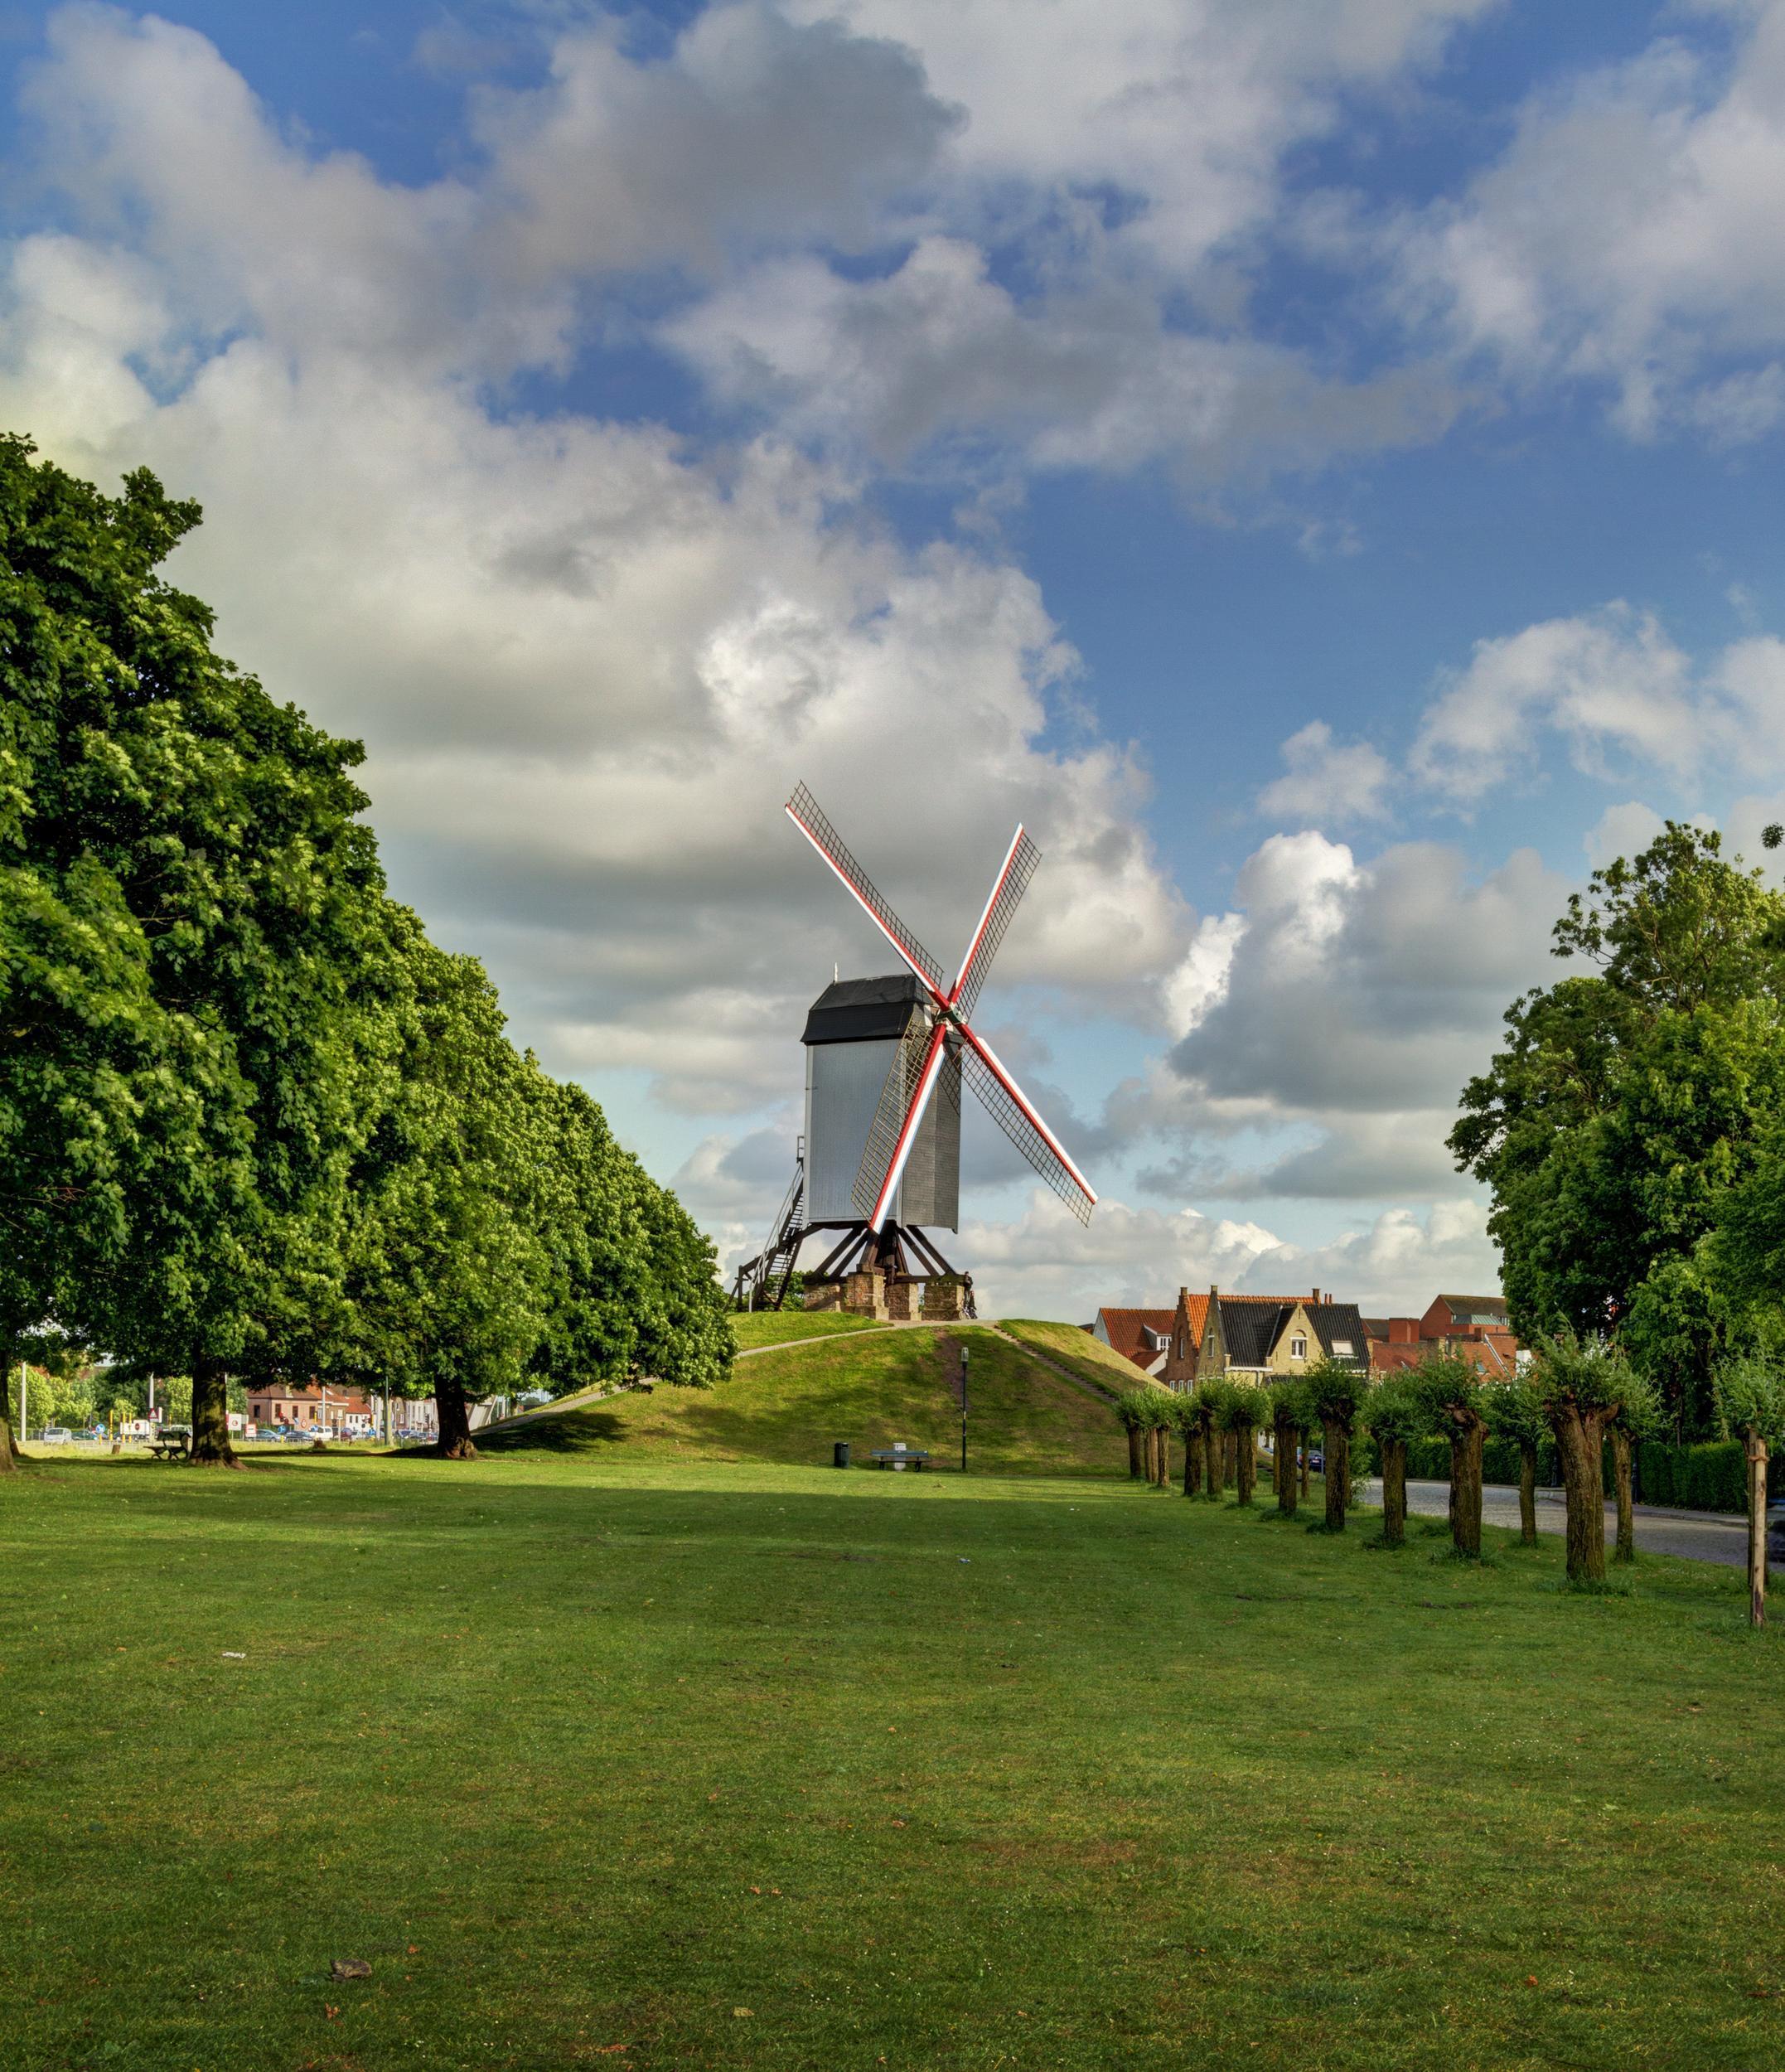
[(897, 1456)]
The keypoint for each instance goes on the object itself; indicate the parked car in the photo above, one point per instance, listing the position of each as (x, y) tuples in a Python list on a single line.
[(55, 1435)]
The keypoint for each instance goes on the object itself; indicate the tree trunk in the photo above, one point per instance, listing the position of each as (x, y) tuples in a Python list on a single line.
[(1528, 1492), (1192, 1461), (1335, 1474), (1211, 1456), (210, 1415), (1135, 1444), (455, 1422), (1248, 1464), (1621, 1481), (1578, 1436), (1165, 1456), (1757, 1530), (1394, 1492), (1230, 1459), (9, 1459), (1466, 1488), (1286, 1468)]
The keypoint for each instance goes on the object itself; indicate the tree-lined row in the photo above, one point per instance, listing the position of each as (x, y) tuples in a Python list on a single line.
[(1583, 1396), (252, 1120)]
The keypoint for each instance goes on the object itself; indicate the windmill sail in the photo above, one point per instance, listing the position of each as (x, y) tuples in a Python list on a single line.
[(1004, 1102), (803, 810), (1007, 889)]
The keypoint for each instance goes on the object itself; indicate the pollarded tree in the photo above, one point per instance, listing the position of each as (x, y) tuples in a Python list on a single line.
[(1396, 1412), (1189, 1426), (1751, 1403), (1130, 1408), (1451, 1389), (1583, 1384), (1636, 1417), (1241, 1414), (1335, 1393), (1210, 1399), (1291, 1417), (1514, 1413)]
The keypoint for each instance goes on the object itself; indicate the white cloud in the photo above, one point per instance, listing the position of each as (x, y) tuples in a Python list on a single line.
[(1610, 684), (1332, 783), (1044, 1264), (589, 663), (1633, 236)]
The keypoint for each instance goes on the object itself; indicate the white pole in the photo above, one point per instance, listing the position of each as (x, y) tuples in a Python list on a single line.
[(24, 1400)]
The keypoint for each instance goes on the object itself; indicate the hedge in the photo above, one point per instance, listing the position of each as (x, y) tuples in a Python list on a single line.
[(1708, 1477)]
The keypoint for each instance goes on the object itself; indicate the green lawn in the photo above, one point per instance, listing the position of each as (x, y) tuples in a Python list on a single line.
[(597, 1742)]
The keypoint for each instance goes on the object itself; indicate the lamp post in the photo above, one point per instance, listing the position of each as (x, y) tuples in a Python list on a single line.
[(963, 1410)]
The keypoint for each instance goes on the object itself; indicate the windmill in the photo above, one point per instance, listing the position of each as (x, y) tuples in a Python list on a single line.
[(885, 1060)]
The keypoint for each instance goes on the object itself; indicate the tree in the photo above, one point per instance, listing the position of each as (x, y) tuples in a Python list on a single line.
[(1582, 1385), (447, 1275), (1290, 1417), (1751, 1404), (1210, 1399), (1636, 1417), (1241, 1414), (198, 854), (1513, 1412), (1396, 1412), (1130, 1408), (1451, 1390), (1335, 1394), (1188, 1424), (1628, 1105)]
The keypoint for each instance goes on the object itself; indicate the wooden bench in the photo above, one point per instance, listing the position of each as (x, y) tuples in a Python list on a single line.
[(891, 1456), (175, 1448)]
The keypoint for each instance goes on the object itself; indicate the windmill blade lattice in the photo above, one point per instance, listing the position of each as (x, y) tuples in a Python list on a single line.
[(804, 811), (1007, 896), (1018, 1125)]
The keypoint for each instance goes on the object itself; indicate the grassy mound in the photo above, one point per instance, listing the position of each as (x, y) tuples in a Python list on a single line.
[(786, 1327), (870, 1388), (1078, 1350)]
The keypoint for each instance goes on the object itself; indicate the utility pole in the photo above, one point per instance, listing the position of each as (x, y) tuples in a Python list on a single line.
[(963, 1410)]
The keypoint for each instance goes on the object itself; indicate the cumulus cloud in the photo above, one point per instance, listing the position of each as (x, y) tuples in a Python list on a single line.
[(1631, 236), (1044, 1264), (589, 662), (1328, 780)]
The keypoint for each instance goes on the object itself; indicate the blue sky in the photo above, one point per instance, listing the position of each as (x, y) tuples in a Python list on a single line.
[(1315, 460)]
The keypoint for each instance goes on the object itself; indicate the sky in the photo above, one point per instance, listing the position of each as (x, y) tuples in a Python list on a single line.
[(1314, 462)]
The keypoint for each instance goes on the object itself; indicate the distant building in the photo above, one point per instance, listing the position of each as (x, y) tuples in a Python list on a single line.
[(1139, 1335), (1256, 1338), (343, 1413), (1474, 1328)]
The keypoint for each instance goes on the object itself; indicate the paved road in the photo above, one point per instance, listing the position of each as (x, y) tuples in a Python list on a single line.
[(1696, 1535)]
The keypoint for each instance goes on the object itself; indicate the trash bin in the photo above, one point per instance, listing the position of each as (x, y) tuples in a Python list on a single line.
[(840, 1453)]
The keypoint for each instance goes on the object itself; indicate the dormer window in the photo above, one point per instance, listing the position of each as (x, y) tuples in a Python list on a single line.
[(1297, 1347), (1342, 1349)]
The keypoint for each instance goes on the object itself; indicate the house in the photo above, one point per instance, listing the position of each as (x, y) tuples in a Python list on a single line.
[(1252, 1337), (1139, 1335), (1474, 1328), (324, 1406)]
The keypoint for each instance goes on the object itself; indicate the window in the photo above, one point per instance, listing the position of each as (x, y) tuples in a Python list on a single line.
[(1342, 1349), (1297, 1347)]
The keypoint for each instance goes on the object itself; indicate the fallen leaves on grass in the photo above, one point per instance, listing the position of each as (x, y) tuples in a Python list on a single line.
[(350, 1967)]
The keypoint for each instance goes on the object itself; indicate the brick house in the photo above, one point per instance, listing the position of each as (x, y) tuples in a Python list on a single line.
[(1474, 1328), (1254, 1338), (1139, 1335), (322, 1407)]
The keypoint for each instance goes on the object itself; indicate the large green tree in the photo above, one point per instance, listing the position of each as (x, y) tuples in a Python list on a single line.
[(1629, 1102)]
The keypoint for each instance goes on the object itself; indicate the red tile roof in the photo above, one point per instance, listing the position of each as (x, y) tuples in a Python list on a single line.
[(1123, 1328)]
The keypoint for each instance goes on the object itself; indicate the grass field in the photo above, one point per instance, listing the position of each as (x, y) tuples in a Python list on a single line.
[(782, 1327), (608, 1750)]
